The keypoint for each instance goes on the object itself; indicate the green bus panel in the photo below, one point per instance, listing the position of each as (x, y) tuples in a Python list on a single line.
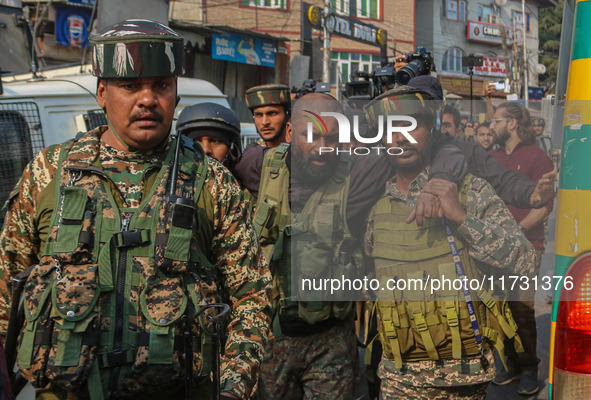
[(581, 41), (576, 153)]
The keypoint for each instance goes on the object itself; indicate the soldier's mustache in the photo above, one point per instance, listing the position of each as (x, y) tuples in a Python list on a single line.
[(144, 114)]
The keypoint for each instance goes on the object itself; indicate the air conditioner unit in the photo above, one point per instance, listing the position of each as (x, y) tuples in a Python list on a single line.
[(492, 19)]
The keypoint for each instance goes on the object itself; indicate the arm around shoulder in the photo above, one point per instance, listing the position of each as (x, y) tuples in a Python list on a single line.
[(492, 234), (449, 163)]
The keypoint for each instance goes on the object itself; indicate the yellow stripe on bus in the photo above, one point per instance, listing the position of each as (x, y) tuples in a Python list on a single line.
[(579, 79), (552, 334), (572, 222)]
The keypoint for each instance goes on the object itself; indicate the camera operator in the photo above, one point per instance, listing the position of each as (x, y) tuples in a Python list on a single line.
[(411, 65)]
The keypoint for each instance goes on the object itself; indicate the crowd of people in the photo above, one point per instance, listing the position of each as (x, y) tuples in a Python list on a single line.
[(132, 238)]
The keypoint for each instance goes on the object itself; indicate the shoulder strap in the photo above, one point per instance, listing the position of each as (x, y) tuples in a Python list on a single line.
[(193, 155), (276, 160), (192, 161), (342, 170), (64, 151)]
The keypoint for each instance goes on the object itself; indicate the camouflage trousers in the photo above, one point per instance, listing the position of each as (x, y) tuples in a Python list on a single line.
[(437, 380), (321, 366)]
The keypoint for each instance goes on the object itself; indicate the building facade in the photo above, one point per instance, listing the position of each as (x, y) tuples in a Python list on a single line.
[(457, 28), (285, 19)]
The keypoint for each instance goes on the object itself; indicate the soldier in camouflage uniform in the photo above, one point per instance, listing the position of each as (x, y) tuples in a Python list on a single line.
[(313, 354), (125, 254), (271, 109), (431, 348)]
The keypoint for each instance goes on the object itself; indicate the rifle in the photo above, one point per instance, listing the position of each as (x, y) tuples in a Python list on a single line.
[(15, 325), (216, 320)]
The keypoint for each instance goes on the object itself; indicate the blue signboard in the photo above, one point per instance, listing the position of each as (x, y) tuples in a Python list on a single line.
[(243, 49), (535, 93), (71, 26)]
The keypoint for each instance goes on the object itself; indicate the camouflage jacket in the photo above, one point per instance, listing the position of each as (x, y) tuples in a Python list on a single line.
[(489, 229), (234, 252)]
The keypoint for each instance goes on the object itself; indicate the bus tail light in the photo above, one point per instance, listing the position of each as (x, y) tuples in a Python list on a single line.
[(572, 355)]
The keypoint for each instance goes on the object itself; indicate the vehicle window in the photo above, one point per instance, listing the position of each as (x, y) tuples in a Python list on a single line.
[(94, 119), (246, 140), (17, 151)]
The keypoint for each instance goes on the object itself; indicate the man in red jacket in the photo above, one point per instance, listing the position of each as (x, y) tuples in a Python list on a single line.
[(516, 136)]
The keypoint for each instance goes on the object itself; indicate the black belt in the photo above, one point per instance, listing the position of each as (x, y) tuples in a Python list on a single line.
[(297, 328)]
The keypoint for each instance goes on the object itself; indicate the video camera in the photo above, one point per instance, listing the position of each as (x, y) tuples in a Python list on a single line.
[(311, 86), (366, 86), (419, 63)]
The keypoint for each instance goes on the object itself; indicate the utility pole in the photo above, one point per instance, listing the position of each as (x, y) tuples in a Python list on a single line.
[(256, 15), (326, 45), (516, 71), (508, 68), (525, 63)]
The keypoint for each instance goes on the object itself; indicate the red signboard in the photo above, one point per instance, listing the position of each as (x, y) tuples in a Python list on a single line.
[(478, 31), (491, 66)]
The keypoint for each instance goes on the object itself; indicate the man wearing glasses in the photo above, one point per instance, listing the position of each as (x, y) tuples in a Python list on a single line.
[(515, 134)]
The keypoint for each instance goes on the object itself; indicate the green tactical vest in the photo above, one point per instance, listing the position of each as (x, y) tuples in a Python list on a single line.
[(317, 240), (415, 325), (116, 287)]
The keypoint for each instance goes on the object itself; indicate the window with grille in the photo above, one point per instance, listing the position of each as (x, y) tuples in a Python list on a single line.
[(20, 138), (94, 119)]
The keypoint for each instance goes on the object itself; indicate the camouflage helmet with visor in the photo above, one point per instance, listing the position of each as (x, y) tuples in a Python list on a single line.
[(405, 101), (137, 48)]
